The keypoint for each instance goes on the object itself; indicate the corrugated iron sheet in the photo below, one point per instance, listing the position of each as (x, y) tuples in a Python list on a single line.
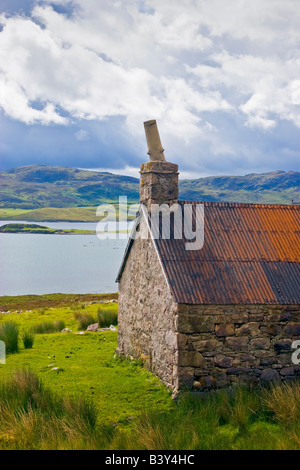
[(251, 255)]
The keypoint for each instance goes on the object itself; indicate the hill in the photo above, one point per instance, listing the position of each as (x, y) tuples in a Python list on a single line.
[(39, 187)]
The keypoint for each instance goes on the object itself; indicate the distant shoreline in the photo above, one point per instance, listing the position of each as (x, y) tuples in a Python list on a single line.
[(32, 229)]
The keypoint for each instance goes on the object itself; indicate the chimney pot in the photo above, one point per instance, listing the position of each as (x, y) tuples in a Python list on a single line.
[(155, 148)]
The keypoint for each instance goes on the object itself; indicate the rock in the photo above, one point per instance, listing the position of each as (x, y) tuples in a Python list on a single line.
[(283, 345), (235, 371), (223, 362), (270, 375), (249, 329), (114, 301), (259, 343), (94, 327), (220, 380), (196, 324), (205, 382), (225, 330), (246, 358), (191, 358), (66, 330), (271, 330), (112, 328), (286, 316), (292, 329), (181, 341), (210, 345), (196, 384), (290, 371), (237, 344)]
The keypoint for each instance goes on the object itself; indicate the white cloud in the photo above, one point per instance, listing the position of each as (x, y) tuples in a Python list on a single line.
[(183, 62), (82, 135), (263, 89)]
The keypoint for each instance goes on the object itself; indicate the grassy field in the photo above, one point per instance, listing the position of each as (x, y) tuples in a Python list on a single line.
[(95, 400), (51, 214), (56, 214), (86, 363)]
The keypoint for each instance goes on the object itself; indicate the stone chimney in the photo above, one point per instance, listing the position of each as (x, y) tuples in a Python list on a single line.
[(159, 178)]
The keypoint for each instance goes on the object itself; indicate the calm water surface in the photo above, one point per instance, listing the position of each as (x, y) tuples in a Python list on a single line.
[(44, 264)]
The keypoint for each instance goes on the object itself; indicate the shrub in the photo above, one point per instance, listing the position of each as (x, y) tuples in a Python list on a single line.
[(59, 325), (48, 327), (84, 319), (107, 317), (28, 339), (283, 401), (9, 333)]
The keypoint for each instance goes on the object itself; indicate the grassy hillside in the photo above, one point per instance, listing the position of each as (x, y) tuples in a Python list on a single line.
[(277, 187), (47, 189), (38, 186), (72, 214)]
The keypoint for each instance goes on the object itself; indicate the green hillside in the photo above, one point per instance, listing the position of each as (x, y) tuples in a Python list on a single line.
[(38, 187)]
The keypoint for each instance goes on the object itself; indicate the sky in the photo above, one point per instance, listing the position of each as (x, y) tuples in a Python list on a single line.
[(222, 78)]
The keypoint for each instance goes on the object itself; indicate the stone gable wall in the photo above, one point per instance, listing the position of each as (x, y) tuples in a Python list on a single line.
[(220, 346), (147, 313)]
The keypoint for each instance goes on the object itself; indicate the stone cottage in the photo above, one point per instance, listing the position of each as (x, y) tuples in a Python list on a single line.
[(224, 314)]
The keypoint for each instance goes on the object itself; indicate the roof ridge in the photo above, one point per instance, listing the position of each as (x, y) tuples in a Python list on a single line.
[(251, 205)]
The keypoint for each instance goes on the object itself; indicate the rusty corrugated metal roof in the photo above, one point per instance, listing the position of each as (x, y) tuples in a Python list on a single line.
[(251, 255)]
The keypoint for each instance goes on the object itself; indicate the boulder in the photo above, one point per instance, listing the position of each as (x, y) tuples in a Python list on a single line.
[(94, 327)]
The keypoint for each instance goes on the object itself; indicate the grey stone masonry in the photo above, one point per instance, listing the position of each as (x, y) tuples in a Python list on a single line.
[(223, 345), (147, 313), (158, 183)]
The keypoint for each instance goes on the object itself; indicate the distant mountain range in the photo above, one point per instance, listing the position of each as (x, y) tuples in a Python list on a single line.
[(39, 186)]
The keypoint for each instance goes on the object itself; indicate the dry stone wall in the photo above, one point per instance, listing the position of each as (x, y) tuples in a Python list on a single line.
[(220, 346)]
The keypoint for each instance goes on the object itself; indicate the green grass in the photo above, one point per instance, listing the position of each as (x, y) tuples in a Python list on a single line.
[(86, 364), (40, 229), (9, 334), (28, 339), (55, 214), (107, 317), (84, 319), (70, 391), (32, 416), (72, 214), (39, 302), (48, 327)]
